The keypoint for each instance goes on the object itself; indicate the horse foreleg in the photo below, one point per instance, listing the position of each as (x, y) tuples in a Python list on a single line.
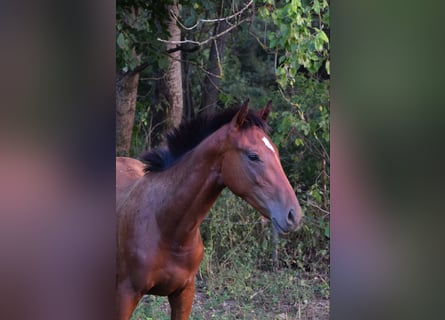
[(126, 302), (181, 302)]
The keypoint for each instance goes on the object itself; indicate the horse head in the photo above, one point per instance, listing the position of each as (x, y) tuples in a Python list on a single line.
[(251, 169)]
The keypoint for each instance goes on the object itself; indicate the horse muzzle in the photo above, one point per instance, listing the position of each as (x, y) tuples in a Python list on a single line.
[(291, 221)]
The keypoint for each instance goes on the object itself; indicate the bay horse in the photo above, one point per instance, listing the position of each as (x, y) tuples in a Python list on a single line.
[(161, 204)]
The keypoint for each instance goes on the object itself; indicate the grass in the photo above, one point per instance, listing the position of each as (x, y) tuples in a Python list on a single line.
[(249, 294)]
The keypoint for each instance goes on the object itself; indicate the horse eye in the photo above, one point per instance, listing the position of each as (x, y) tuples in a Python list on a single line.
[(253, 157)]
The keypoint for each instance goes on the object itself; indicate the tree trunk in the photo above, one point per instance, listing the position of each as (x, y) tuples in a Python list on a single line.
[(173, 79), (126, 93), (188, 111), (212, 79)]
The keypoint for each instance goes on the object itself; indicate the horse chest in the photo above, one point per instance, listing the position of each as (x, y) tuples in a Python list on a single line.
[(177, 271), (183, 261)]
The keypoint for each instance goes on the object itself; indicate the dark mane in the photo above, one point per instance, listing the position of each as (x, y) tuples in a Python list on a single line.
[(190, 134)]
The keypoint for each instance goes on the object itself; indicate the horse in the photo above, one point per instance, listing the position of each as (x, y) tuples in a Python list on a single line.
[(162, 201)]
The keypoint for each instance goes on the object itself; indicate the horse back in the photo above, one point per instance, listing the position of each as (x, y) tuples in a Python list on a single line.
[(128, 171)]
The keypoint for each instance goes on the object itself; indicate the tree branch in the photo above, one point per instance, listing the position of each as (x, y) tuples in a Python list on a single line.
[(183, 48), (130, 73), (212, 20), (310, 203), (209, 39)]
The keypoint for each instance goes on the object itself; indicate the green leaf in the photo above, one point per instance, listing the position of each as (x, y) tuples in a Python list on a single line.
[(328, 66), (282, 81), (121, 41), (263, 12), (316, 6), (322, 35), (318, 44), (327, 231), (273, 42), (284, 30), (299, 142), (299, 20)]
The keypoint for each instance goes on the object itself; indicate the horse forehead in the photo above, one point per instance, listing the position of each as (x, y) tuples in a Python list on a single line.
[(267, 143), (251, 136), (257, 137)]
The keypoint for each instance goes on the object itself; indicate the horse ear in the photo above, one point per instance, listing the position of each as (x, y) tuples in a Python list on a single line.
[(240, 117), (264, 113)]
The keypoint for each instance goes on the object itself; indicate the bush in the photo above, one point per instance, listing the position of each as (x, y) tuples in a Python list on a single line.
[(235, 237)]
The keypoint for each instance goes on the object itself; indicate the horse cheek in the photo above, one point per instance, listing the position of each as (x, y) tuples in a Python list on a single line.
[(234, 177)]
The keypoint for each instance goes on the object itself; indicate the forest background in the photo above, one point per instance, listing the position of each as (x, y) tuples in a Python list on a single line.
[(178, 59)]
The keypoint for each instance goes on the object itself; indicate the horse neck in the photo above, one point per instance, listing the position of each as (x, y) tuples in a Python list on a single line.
[(193, 185)]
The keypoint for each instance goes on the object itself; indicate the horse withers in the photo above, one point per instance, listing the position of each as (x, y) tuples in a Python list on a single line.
[(159, 212)]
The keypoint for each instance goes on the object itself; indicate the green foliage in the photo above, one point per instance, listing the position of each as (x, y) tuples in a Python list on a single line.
[(298, 37), (302, 134), (138, 25), (300, 128)]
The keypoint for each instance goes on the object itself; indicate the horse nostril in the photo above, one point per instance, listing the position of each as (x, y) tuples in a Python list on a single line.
[(291, 216)]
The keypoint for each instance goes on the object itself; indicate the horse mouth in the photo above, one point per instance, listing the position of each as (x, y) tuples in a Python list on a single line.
[(277, 227)]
